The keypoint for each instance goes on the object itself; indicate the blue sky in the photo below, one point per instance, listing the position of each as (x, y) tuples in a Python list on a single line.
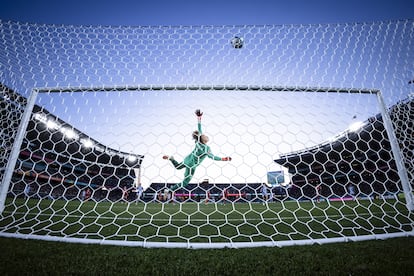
[(253, 137), (211, 12)]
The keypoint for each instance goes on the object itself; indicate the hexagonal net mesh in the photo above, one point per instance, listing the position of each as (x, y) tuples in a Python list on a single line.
[(101, 142)]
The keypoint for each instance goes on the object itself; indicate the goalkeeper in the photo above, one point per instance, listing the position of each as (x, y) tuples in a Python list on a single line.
[(200, 152)]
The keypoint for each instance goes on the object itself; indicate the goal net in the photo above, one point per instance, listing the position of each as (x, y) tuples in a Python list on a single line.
[(310, 133)]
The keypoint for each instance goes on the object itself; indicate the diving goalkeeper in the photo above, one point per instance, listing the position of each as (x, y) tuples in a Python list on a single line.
[(200, 152)]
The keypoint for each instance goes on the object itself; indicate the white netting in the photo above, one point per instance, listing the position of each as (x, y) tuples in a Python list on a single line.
[(317, 120)]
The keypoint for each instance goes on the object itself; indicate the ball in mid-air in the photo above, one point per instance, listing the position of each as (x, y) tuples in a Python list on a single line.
[(237, 42)]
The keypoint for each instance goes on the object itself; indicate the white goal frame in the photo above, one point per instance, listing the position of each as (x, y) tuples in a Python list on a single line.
[(396, 151)]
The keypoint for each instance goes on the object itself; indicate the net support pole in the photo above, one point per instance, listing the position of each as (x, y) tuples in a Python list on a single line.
[(15, 151), (396, 151)]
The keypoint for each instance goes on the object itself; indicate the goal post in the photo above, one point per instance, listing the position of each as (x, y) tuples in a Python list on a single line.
[(397, 154), (15, 149)]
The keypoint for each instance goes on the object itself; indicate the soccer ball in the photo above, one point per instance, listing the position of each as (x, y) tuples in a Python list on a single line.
[(237, 42)]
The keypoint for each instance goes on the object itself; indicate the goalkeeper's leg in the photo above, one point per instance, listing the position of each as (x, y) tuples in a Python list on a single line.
[(188, 175), (176, 164)]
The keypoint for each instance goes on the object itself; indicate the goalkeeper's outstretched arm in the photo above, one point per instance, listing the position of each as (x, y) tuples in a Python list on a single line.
[(217, 158), (204, 139), (199, 114)]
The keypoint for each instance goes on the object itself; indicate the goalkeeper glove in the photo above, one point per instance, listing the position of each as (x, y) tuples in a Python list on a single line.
[(226, 159), (198, 113)]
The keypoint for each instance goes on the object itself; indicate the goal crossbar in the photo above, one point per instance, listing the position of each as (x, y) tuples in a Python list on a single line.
[(205, 88)]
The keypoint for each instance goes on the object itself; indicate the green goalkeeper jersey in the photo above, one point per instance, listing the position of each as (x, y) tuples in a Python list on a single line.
[(200, 152)]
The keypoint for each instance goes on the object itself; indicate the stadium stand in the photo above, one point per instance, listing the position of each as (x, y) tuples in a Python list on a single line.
[(56, 166), (361, 158)]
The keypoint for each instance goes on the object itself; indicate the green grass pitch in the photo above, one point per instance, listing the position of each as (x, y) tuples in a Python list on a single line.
[(206, 223), (200, 222)]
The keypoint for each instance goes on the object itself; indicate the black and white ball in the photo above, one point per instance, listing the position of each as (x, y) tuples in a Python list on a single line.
[(237, 42)]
